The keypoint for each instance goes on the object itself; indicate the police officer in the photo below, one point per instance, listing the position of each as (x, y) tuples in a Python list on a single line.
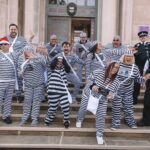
[(145, 120), (142, 51)]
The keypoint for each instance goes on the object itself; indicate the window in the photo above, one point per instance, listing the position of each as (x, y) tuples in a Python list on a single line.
[(90, 2), (53, 2), (62, 2), (74, 1), (81, 2)]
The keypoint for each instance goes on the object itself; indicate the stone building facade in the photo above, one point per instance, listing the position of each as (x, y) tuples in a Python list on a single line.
[(101, 19)]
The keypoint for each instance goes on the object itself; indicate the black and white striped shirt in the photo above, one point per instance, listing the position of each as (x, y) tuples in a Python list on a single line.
[(56, 81), (93, 64), (33, 72)]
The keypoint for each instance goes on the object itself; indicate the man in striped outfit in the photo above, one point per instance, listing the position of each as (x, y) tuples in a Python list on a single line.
[(53, 47), (57, 91), (7, 80), (32, 71), (82, 49), (17, 44), (115, 50), (72, 59)]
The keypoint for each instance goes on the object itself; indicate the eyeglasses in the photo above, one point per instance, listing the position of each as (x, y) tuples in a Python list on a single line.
[(115, 40)]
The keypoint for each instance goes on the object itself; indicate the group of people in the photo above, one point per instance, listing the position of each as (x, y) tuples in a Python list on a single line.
[(112, 72)]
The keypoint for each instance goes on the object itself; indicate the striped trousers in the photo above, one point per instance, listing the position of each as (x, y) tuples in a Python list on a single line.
[(100, 114), (76, 82), (32, 102), (127, 102), (54, 99), (6, 93)]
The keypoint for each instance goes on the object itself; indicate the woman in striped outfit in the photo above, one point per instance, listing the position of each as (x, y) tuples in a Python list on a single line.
[(33, 76), (102, 82), (95, 59), (57, 91), (127, 74)]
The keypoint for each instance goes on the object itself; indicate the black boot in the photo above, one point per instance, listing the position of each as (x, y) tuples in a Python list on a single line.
[(7, 120)]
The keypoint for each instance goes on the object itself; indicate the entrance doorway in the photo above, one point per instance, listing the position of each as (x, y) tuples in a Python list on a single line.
[(79, 25)]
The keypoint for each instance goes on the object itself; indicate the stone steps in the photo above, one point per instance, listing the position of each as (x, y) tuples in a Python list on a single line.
[(57, 137), (17, 107), (88, 117), (72, 138)]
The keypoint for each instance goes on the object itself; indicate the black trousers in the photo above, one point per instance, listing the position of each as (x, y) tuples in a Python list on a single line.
[(137, 87), (146, 109)]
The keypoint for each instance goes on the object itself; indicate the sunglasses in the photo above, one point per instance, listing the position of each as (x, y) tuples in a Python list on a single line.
[(4, 44), (115, 40)]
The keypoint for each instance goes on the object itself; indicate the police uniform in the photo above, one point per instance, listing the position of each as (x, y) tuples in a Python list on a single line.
[(145, 121), (143, 51)]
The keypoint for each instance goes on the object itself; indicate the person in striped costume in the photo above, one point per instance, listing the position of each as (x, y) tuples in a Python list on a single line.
[(82, 49), (17, 43), (115, 50), (95, 59), (7, 79), (102, 83), (127, 75), (72, 77), (41, 50), (57, 91), (53, 47), (32, 71)]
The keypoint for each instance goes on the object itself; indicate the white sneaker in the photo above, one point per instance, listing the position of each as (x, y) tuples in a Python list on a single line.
[(78, 124), (114, 129), (99, 140)]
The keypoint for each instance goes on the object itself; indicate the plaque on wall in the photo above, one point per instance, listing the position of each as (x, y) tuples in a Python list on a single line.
[(71, 9)]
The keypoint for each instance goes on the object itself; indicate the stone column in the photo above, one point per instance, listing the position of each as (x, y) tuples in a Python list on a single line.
[(8, 14), (109, 20), (35, 20), (126, 21), (99, 19)]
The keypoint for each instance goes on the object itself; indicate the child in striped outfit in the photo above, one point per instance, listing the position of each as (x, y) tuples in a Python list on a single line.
[(100, 79), (127, 75), (33, 76), (57, 92)]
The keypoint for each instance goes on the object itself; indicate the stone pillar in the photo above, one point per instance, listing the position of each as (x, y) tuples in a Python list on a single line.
[(8, 14), (35, 20), (109, 20), (126, 21), (99, 19)]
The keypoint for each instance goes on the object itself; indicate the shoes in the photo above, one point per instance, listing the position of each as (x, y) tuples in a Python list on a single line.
[(66, 124), (47, 124), (22, 123), (34, 123), (134, 126), (78, 124), (112, 128), (99, 140), (19, 100), (140, 123), (7, 120)]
